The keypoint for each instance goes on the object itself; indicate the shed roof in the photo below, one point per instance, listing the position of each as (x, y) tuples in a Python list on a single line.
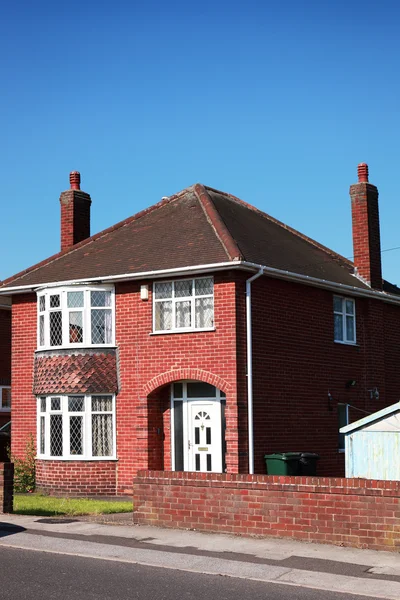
[(368, 420)]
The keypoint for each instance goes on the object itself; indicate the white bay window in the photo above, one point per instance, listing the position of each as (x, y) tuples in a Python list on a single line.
[(76, 427), (183, 305), (75, 317)]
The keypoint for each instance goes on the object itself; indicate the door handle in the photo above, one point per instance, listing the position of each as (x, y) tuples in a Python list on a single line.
[(189, 445)]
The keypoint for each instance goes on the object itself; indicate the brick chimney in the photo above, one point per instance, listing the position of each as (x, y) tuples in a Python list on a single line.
[(366, 232), (75, 213)]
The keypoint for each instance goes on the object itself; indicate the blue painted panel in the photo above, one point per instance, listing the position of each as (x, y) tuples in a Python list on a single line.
[(373, 454)]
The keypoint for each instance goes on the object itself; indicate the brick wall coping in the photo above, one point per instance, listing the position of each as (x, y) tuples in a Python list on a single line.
[(312, 485)]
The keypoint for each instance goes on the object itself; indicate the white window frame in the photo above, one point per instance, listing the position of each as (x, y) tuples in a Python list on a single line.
[(4, 408), (65, 310), (174, 300), (344, 314), (341, 448), (66, 414)]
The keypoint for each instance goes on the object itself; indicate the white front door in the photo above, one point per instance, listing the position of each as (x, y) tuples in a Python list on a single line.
[(204, 436), (196, 440)]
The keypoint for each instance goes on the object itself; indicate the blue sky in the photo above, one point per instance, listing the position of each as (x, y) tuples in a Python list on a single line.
[(276, 103)]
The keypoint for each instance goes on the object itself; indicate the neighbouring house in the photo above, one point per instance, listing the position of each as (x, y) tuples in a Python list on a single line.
[(373, 445), (5, 360), (198, 335)]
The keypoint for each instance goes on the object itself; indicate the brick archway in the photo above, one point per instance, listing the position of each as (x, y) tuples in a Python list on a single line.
[(179, 374)]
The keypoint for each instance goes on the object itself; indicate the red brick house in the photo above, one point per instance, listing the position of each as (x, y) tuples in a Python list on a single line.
[(5, 360), (197, 335)]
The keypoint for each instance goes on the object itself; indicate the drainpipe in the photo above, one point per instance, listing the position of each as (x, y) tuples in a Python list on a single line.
[(250, 369)]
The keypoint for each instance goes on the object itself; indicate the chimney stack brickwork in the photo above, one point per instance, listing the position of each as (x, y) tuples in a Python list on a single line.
[(366, 231), (75, 213)]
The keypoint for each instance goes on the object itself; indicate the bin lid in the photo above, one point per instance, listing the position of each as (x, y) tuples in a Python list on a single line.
[(284, 456), (309, 455)]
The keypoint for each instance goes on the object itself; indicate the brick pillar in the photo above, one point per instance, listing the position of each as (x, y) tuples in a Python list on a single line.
[(75, 213), (6, 487), (366, 232)]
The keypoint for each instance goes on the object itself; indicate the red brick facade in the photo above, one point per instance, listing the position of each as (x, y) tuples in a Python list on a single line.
[(347, 512), (296, 364)]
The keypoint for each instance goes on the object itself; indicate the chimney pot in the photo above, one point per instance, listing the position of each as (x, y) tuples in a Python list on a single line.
[(75, 180), (362, 173)]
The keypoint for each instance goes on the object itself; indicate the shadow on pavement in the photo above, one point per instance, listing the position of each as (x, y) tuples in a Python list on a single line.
[(9, 529)]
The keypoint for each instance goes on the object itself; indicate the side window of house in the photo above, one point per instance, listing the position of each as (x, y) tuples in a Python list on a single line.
[(344, 314), (73, 427), (5, 398), (343, 419), (71, 317), (183, 305)]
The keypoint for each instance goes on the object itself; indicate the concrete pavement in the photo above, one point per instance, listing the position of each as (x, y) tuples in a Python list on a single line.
[(363, 572)]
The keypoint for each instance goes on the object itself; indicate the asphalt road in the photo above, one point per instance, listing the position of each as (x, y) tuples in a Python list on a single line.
[(33, 575)]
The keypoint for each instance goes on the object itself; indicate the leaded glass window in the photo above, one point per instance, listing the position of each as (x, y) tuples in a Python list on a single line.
[(184, 304)]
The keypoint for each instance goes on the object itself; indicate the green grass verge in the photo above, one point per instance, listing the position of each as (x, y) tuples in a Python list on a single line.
[(48, 506)]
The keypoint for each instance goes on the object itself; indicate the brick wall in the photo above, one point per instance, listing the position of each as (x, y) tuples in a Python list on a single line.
[(296, 363), (347, 512), (6, 487), (76, 478)]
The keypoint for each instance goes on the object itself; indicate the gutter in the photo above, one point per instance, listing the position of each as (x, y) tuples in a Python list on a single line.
[(209, 268), (249, 338)]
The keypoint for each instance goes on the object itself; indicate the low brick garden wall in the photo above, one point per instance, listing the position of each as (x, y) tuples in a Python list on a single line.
[(348, 512), (6, 487)]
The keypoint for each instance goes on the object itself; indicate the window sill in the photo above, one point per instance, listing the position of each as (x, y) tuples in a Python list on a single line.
[(5, 410), (347, 343), (172, 331), (77, 458), (80, 347)]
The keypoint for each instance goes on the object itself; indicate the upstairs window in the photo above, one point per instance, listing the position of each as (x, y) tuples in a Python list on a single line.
[(75, 317), (344, 311), (5, 398), (183, 305)]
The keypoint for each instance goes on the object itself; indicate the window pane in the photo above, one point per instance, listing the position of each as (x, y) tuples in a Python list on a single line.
[(55, 404), (55, 328), (163, 316), (350, 334), (183, 288), (75, 327), (163, 290), (178, 390), (102, 438), (199, 389), (75, 299), (6, 397), (204, 286), (350, 307), (100, 298), (204, 308), (42, 435), (43, 404), (101, 403), (54, 301), (42, 303), (337, 304), (41, 330), (76, 403), (56, 437), (339, 328), (183, 314), (101, 326), (76, 435)]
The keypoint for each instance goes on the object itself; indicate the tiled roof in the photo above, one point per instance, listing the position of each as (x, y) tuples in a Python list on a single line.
[(198, 226), (65, 373)]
